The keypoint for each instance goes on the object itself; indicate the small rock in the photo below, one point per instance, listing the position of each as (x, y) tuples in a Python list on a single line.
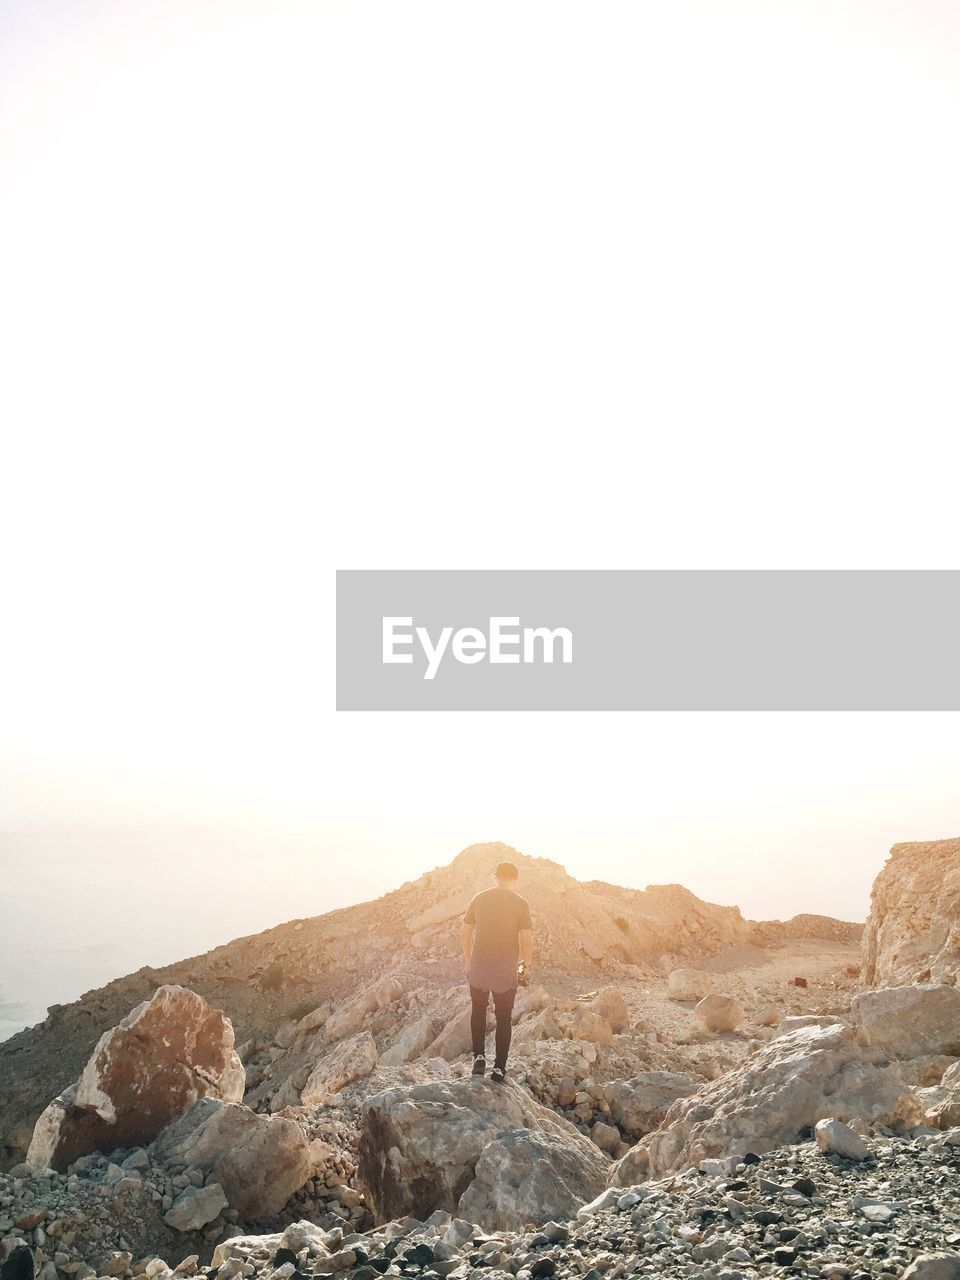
[(194, 1207), (837, 1138)]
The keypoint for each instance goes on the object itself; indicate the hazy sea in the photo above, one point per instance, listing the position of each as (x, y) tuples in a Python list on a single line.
[(78, 909)]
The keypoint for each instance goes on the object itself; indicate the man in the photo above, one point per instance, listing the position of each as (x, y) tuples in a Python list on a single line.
[(497, 930)]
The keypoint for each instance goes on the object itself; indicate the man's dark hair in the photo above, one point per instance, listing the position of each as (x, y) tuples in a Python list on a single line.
[(506, 871)]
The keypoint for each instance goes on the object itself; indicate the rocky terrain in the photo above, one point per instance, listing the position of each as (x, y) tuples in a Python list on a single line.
[(690, 1093)]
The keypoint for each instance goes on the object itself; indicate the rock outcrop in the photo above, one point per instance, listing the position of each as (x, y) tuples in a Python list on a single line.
[(776, 1096), (913, 930), (166, 1054), (910, 1022), (259, 1160), (484, 1151)]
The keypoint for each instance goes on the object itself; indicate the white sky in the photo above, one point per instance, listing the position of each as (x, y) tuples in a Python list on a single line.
[(290, 287)]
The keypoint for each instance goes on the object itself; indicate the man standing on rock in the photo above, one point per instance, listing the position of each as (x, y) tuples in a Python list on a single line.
[(497, 931)]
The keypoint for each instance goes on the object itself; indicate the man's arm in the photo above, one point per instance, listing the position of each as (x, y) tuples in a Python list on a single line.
[(526, 946), (466, 939)]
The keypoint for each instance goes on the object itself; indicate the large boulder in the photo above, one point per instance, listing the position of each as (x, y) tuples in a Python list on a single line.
[(911, 1021), (259, 1160), (166, 1054), (423, 1147), (611, 1006), (524, 1176), (913, 930), (776, 1096), (688, 984), (638, 1105), (346, 1062)]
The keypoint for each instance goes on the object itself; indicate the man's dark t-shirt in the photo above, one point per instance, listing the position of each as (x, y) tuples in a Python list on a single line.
[(498, 914)]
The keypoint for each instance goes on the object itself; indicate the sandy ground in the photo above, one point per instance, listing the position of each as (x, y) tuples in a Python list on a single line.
[(759, 978)]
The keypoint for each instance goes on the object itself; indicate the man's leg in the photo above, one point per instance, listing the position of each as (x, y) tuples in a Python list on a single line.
[(478, 1019), (503, 1004)]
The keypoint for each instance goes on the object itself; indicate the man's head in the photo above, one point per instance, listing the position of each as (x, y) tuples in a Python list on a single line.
[(506, 874)]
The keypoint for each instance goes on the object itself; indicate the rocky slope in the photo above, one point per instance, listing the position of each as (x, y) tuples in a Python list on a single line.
[(913, 931), (399, 955), (690, 1095)]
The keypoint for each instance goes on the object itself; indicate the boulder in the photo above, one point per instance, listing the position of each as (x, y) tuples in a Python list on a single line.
[(314, 1020), (243, 1248), (586, 1024), (910, 1021), (455, 1038), (352, 1016), (612, 1007), (720, 1013), (259, 1160), (412, 1041), (524, 1176), (913, 930), (421, 1148), (166, 1054), (347, 1061), (775, 1096), (638, 1105), (194, 1207), (544, 1026), (934, 1266), (606, 1136), (836, 1138), (688, 984)]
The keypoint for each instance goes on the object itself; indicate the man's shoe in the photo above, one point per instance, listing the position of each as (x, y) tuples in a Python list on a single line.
[(497, 1075), (479, 1065)]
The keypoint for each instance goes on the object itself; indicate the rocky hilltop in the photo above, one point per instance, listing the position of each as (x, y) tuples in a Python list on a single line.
[(689, 1094), (913, 931), (585, 931)]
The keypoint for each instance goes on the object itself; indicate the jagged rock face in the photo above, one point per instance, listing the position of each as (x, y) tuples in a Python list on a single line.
[(913, 931), (260, 1161), (423, 1147), (779, 1092), (168, 1052), (911, 1021)]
